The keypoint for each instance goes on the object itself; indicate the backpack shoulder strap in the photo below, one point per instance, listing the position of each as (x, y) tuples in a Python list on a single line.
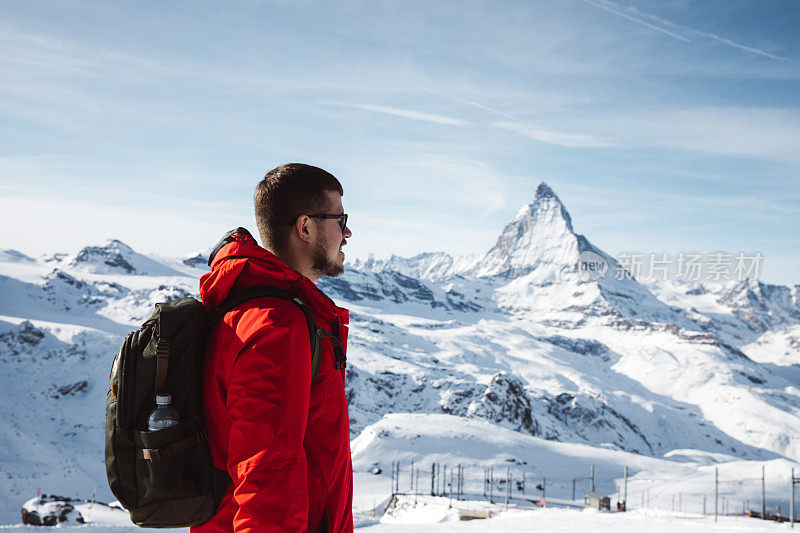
[(169, 317), (339, 358), (265, 291)]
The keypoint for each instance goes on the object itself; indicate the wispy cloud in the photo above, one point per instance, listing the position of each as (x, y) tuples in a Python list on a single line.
[(730, 131), (736, 131), (469, 102), (616, 9), (38, 56), (570, 140), (406, 113)]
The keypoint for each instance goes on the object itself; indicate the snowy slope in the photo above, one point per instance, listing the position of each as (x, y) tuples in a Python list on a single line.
[(780, 347), (739, 312), (476, 445), (62, 319), (516, 337), (52, 409)]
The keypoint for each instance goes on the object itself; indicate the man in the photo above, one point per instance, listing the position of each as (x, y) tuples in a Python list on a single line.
[(284, 442)]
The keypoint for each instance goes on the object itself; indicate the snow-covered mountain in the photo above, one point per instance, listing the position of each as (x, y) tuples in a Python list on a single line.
[(518, 337)]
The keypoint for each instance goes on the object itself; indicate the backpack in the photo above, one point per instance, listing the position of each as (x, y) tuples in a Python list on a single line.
[(166, 478)]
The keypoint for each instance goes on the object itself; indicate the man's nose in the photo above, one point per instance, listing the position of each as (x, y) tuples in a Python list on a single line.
[(347, 233)]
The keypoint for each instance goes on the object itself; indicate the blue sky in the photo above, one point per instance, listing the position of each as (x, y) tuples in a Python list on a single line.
[(664, 126)]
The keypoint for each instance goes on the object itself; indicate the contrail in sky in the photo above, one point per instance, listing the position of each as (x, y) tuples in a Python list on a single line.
[(678, 26), (740, 46), (643, 23)]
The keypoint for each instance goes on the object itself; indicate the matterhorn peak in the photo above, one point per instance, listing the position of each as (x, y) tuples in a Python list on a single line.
[(541, 232), (544, 190), (546, 200), (539, 253)]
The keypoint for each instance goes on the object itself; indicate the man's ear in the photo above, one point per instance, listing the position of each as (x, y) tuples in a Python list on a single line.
[(304, 228)]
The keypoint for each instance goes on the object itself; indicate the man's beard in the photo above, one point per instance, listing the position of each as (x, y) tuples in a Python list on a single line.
[(323, 265)]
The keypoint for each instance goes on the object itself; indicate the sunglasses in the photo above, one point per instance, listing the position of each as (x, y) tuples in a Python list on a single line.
[(341, 218)]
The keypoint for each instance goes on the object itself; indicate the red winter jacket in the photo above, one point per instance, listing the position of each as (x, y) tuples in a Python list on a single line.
[(285, 444)]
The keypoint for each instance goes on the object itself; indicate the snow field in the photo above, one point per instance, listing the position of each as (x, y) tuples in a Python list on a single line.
[(681, 481), (571, 521), (436, 517)]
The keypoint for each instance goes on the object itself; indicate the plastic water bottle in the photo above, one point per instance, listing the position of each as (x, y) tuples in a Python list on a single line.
[(164, 415)]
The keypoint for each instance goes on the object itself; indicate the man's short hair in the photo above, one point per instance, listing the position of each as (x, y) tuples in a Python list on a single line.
[(285, 193)]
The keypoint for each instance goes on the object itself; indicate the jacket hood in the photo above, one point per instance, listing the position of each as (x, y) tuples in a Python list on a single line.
[(238, 262)]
